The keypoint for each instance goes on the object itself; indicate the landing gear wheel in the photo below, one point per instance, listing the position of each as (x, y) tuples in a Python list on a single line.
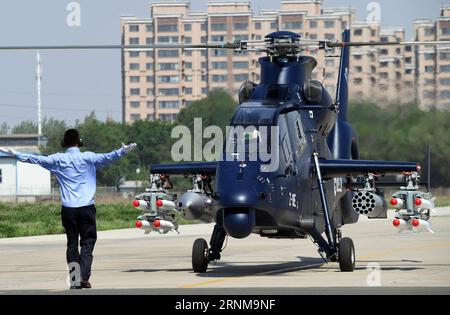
[(200, 253), (346, 254)]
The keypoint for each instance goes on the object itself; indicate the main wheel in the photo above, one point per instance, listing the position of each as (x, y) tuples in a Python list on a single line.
[(200, 253), (346, 254)]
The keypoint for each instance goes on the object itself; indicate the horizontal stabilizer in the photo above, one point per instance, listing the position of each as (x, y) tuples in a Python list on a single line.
[(342, 168), (204, 168)]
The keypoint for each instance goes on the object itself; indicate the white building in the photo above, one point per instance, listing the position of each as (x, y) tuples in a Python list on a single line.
[(19, 179)]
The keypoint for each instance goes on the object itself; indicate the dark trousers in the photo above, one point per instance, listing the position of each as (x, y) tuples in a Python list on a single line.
[(80, 224)]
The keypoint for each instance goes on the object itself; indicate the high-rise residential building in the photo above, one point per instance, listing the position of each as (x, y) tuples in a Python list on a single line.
[(157, 83), (433, 61)]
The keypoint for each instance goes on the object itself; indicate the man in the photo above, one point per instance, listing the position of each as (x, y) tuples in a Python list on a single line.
[(76, 174)]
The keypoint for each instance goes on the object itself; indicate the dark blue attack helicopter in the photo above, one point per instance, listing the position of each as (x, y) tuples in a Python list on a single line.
[(319, 183), (310, 192)]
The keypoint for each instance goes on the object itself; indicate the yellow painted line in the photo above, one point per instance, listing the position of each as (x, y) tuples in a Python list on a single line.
[(370, 255)]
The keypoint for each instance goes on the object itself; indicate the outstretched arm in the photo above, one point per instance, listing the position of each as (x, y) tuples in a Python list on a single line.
[(104, 159), (47, 162)]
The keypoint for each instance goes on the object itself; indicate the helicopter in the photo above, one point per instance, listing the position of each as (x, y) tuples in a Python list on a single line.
[(319, 183)]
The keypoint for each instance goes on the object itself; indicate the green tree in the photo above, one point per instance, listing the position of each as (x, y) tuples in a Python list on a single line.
[(4, 128)]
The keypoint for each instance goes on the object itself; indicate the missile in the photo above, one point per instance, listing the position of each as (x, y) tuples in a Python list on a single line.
[(419, 225), (401, 224), (165, 204), (163, 225), (397, 203), (424, 203), (141, 204)]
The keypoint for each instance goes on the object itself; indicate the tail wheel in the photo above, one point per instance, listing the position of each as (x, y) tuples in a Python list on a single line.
[(346, 255), (200, 253)]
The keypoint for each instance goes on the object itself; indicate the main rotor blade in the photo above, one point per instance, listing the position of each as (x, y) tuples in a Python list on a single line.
[(412, 43), (236, 45)]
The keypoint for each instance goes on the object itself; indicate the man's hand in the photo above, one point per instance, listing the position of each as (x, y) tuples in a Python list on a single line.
[(8, 151), (128, 148)]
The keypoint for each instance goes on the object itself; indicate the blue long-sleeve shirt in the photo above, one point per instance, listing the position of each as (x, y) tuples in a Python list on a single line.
[(75, 172)]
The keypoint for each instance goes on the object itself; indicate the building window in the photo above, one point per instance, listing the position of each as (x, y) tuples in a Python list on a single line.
[(135, 117), (241, 77), (149, 92), (240, 64), (169, 79), (134, 28), (149, 79), (218, 52), (357, 68), (329, 36), (205, 90), (134, 41), (135, 79), (134, 66), (445, 81), (188, 40), (151, 117), (219, 78), (384, 75), (188, 78), (292, 25), (188, 65), (429, 56), (167, 117), (241, 26), (135, 92), (168, 39), (218, 27), (408, 48), (445, 31), (257, 25), (329, 24), (168, 28), (187, 27), (188, 91), (444, 56), (217, 38), (383, 64), (429, 69), (358, 32), (357, 81), (150, 104), (135, 104), (169, 104), (134, 54), (149, 66), (274, 25), (168, 92), (219, 65), (149, 27), (240, 37), (312, 24), (429, 31), (408, 60), (384, 52), (384, 39), (168, 53), (357, 57), (149, 53), (445, 68), (149, 40), (188, 53), (312, 36)]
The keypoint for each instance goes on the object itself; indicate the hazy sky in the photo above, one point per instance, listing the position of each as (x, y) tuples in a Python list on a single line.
[(75, 83)]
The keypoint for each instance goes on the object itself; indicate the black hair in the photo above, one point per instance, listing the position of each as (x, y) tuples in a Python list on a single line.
[(71, 139)]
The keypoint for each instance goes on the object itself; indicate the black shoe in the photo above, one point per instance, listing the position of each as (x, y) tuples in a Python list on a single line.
[(86, 284)]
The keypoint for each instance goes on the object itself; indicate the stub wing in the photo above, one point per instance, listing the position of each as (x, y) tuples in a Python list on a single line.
[(204, 168), (352, 168)]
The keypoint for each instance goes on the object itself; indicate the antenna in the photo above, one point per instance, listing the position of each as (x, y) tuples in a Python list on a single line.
[(38, 87)]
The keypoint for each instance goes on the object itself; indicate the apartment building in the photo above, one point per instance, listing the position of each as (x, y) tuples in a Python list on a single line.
[(433, 61), (157, 83)]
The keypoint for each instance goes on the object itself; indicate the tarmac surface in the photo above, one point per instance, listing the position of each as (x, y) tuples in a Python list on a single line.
[(129, 262)]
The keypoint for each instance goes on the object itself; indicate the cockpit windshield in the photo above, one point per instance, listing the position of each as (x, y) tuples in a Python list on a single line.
[(254, 114)]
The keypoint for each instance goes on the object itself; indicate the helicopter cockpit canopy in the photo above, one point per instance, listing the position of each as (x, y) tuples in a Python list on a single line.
[(254, 114)]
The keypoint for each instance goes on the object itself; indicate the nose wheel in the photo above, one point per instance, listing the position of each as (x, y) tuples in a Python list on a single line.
[(346, 254), (200, 255)]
